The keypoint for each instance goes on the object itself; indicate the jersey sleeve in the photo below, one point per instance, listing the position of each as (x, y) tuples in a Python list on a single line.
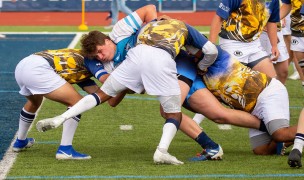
[(195, 38), (125, 27), (302, 10), (95, 67), (286, 1), (226, 7), (274, 8)]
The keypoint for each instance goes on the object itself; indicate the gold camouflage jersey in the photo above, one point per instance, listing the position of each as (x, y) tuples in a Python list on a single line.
[(169, 35), (234, 83), (68, 63), (297, 22), (247, 22)]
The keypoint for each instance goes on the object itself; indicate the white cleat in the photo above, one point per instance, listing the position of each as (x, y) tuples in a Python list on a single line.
[(165, 158), (294, 76), (50, 123)]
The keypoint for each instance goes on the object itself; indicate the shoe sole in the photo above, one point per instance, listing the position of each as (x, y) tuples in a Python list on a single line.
[(64, 157)]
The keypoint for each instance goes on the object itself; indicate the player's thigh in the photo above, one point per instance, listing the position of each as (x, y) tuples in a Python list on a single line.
[(204, 102), (65, 94), (159, 74)]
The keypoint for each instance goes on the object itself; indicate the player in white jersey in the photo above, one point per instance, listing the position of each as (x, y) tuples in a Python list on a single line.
[(56, 87), (145, 64)]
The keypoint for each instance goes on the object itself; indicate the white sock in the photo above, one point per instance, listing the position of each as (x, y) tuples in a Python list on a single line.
[(169, 131), (68, 131), (198, 118), (25, 121), (298, 144), (86, 103)]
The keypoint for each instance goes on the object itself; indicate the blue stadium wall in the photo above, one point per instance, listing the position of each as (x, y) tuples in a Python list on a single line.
[(104, 5)]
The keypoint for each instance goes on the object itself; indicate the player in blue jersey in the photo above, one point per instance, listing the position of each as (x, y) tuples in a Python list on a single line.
[(71, 67), (244, 89), (50, 74), (239, 24), (145, 63)]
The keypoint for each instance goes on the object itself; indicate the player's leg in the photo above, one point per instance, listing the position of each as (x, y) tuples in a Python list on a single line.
[(204, 102), (27, 116), (67, 95), (294, 158), (123, 8), (297, 46)]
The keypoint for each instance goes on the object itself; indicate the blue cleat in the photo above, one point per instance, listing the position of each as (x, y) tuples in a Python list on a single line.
[(68, 152), (281, 149), (209, 154), (20, 145)]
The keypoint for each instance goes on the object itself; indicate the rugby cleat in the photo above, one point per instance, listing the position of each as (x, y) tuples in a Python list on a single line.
[(209, 154), (50, 123), (20, 145), (68, 153), (294, 158), (165, 158)]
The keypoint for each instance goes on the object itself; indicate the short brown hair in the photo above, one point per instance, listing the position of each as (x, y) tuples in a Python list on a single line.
[(90, 41)]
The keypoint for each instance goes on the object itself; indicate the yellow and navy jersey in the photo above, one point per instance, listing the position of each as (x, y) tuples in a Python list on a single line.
[(244, 20), (68, 63), (234, 83), (297, 22), (169, 35)]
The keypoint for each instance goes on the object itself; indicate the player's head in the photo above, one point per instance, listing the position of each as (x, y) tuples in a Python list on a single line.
[(97, 45)]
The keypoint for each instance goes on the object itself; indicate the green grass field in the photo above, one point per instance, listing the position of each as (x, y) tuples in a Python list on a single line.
[(118, 154)]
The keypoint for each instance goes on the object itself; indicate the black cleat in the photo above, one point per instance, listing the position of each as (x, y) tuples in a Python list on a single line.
[(294, 158)]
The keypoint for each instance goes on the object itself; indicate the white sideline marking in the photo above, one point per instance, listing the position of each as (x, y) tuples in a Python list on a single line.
[(10, 156), (75, 40), (224, 126)]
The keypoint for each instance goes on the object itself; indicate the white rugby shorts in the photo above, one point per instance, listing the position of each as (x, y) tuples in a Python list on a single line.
[(281, 46), (286, 30), (150, 69), (272, 104), (297, 44), (245, 52), (34, 75)]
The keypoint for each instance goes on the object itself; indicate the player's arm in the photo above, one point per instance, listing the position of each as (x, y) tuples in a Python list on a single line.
[(197, 42), (285, 8), (222, 13), (129, 25), (100, 73), (272, 29)]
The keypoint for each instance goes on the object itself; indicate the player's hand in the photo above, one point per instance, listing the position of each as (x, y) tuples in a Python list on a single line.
[(274, 54), (202, 72)]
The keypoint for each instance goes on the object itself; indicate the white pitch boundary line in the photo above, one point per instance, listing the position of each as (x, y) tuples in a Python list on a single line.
[(10, 157)]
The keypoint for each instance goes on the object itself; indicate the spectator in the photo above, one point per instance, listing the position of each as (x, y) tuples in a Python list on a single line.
[(116, 6)]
